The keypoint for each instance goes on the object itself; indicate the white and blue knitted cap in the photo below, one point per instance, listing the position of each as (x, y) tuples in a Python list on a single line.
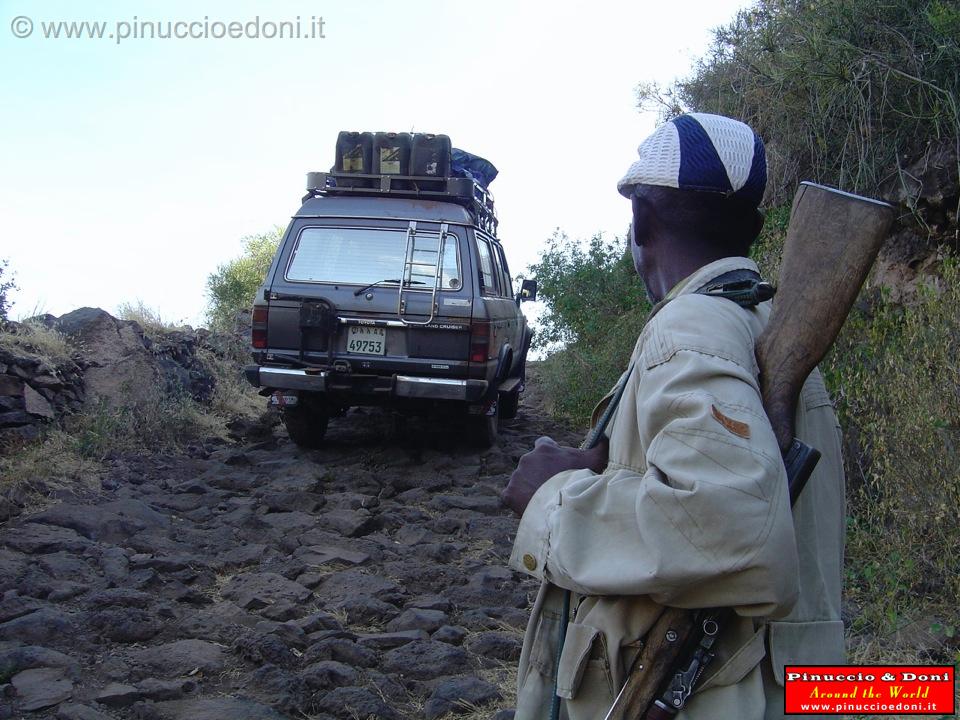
[(698, 151)]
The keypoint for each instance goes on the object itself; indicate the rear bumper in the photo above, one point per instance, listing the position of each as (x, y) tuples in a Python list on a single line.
[(286, 378), (344, 384)]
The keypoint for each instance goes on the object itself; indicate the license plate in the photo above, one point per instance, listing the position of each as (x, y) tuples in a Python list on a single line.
[(367, 340)]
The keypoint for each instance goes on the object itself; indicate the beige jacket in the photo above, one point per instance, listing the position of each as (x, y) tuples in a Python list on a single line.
[(692, 511)]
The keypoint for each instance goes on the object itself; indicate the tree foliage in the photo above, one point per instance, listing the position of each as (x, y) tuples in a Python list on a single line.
[(841, 90), (6, 285), (595, 308), (232, 287), (585, 287)]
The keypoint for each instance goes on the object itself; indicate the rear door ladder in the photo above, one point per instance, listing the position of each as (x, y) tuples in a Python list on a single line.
[(413, 260)]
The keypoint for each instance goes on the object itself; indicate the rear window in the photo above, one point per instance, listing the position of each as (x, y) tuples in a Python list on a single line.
[(361, 256)]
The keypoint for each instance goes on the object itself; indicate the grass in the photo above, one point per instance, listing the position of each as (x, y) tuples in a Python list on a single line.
[(39, 469), (896, 384), (146, 317), (70, 455), (232, 394), (36, 340)]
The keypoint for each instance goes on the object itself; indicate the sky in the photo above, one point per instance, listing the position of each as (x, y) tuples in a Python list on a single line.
[(130, 168)]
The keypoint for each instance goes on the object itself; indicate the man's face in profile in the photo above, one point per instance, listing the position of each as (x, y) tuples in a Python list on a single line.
[(640, 258)]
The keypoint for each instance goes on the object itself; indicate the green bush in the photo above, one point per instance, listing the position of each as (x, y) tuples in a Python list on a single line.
[(232, 287), (841, 90), (585, 285), (595, 307), (578, 376)]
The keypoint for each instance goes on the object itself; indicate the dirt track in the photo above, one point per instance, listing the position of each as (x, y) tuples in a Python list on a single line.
[(255, 580)]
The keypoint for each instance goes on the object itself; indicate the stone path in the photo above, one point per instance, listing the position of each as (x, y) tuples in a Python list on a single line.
[(364, 580)]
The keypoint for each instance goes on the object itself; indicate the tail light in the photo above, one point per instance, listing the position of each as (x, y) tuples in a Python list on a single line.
[(479, 342), (259, 329)]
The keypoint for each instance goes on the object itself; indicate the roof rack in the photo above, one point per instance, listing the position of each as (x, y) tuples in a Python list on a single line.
[(463, 191)]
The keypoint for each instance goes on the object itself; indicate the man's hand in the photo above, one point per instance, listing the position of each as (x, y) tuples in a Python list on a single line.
[(543, 462)]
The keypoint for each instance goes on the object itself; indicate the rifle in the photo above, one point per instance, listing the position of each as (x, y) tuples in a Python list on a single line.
[(832, 241)]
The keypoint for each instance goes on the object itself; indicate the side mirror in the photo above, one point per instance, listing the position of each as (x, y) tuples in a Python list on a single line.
[(528, 290)]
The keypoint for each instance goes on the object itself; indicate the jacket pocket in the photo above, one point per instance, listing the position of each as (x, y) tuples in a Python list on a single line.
[(805, 643), (583, 677), (543, 653), (735, 668), (578, 650)]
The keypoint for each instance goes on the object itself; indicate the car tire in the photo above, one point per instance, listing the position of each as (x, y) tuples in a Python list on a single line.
[(508, 404), (306, 425), (482, 430), (510, 401)]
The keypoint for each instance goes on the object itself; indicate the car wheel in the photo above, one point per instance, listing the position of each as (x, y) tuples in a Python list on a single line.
[(306, 425), (483, 429)]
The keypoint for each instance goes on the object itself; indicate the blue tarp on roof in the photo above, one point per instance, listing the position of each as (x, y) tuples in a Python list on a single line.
[(464, 164)]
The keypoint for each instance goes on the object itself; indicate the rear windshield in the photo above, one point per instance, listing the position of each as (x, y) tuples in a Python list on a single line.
[(361, 256)]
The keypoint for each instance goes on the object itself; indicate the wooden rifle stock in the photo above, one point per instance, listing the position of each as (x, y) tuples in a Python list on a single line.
[(832, 241)]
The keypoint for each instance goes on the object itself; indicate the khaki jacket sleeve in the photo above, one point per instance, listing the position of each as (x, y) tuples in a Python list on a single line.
[(702, 517)]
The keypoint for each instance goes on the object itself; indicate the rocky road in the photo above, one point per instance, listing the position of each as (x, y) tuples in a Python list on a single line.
[(258, 581)]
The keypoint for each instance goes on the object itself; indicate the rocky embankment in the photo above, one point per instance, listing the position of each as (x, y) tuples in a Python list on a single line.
[(105, 359), (364, 580)]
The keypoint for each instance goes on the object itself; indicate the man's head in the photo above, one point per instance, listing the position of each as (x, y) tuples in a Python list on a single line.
[(695, 190)]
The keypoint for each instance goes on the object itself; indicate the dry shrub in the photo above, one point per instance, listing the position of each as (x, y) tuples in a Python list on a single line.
[(162, 422), (146, 317), (896, 383), (233, 396), (38, 469), (33, 338)]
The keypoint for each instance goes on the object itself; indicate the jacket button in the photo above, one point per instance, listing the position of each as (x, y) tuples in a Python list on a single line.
[(529, 562)]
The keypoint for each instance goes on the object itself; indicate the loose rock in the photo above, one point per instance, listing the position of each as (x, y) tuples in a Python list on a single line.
[(354, 702), (425, 659), (220, 708), (253, 591), (181, 658), (328, 674), (117, 695), (75, 711), (41, 688), (448, 696)]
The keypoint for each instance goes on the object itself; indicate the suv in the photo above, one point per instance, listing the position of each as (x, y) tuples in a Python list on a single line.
[(391, 290)]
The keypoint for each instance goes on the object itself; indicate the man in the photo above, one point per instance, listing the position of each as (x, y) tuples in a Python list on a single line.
[(689, 506)]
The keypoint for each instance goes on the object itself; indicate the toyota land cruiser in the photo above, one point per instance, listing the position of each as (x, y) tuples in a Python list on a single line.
[(390, 288)]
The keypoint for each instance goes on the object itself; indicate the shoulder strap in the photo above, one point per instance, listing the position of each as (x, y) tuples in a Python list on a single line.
[(744, 287)]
